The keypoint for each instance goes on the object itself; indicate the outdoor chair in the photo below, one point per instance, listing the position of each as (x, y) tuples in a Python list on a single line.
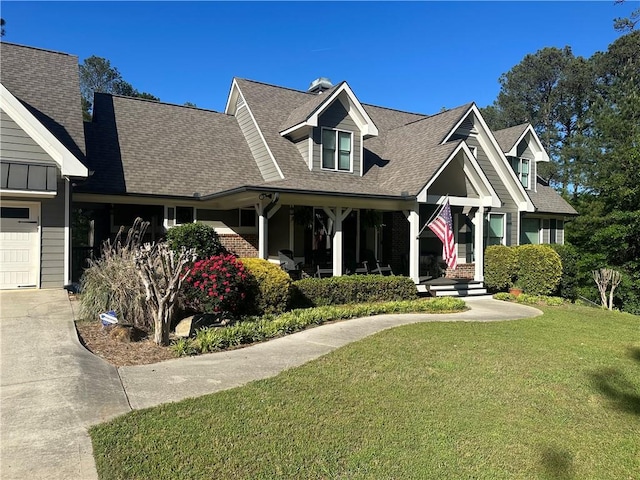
[(324, 272), (363, 270), (382, 270), (289, 265)]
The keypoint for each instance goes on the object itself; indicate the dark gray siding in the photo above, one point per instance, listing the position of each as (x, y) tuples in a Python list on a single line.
[(257, 146), (508, 205), (53, 245), (336, 117), (16, 145)]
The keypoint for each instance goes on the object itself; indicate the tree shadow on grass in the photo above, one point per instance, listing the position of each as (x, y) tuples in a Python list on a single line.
[(557, 463), (634, 353), (622, 394)]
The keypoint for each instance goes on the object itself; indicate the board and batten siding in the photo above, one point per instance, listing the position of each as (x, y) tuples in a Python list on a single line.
[(337, 117), (508, 207), (18, 146), (259, 150)]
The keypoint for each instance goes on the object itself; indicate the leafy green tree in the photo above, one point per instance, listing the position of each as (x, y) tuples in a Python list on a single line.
[(2, 24), (98, 75), (626, 24)]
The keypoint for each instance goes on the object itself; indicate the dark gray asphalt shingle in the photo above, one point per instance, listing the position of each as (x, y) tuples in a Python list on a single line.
[(508, 137), (547, 200), (48, 85)]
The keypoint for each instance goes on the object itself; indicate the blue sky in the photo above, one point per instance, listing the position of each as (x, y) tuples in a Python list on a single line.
[(415, 56)]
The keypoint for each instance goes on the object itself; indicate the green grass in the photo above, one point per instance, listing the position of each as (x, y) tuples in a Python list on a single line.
[(557, 396)]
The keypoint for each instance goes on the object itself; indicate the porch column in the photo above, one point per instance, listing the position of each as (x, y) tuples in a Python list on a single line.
[(337, 217), (263, 231), (413, 216), (478, 250)]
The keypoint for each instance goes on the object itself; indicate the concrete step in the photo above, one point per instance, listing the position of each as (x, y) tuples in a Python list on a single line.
[(453, 290)]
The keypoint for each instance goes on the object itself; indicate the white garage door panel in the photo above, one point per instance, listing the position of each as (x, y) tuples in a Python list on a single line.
[(19, 248)]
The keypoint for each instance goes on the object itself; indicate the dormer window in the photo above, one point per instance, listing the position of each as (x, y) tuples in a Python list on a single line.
[(336, 150), (521, 167)]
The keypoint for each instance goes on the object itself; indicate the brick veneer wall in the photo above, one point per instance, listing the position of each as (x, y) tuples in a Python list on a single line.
[(245, 245), (464, 271)]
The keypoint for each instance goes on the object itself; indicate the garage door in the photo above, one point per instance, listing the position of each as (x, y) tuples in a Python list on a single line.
[(19, 245)]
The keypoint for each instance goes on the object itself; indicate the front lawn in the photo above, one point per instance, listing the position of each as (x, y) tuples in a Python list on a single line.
[(557, 396)]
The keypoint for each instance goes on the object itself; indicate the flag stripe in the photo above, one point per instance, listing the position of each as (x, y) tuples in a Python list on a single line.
[(442, 226)]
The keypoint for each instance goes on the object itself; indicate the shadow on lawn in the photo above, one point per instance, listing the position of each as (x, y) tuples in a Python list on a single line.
[(622, 394), (557, 463), (634, 353)]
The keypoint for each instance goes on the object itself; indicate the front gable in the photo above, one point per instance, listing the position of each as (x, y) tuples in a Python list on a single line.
[(35, 151), (491, 159)]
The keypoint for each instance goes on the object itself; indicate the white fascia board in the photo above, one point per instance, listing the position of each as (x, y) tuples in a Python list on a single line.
[(232, 99), (537, 147), (69, 165), (457, 125), (355, 110), (503, 167)]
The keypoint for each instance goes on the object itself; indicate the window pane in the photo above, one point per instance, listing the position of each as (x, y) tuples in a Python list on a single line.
[(345, 141), (344, 161), (328, 149), (14, 212), (525, 166), (496, 226), (247, 217), (184, 215), (515, 163), (530, 227), (329, 139), (525, 180)]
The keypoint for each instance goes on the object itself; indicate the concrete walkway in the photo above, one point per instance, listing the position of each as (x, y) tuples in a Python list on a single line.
[(52, 389)]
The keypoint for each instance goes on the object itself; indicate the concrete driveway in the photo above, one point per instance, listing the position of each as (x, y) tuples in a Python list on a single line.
[(51, 389)]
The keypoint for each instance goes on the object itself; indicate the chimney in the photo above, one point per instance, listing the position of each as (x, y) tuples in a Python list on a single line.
[(319, 85)]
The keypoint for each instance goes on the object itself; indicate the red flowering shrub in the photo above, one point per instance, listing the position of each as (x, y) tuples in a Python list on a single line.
[(216, 284)]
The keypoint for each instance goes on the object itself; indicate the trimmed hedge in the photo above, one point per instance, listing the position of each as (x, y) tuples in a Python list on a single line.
[(269, 289), (568, 287), (500, 267), (202, 237), (315, 292), (539, 269), (251, 331)]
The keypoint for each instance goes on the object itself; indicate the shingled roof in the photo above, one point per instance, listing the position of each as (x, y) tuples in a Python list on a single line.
[(547, 200), (138, 146), (508, 137), (47, 83)]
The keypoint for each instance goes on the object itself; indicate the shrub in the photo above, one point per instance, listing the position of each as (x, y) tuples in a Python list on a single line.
[(504, 296), (216, 284), (351, 289), (568, 286), (268, 287), (539, 269), (111, 282), (183, 347), (539, 300), (500, 267), (199, 236)]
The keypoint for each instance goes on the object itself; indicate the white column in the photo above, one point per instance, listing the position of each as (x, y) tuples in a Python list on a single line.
[(478, 251), (67, 232), (414, 244), (263, 233), (337, 243)]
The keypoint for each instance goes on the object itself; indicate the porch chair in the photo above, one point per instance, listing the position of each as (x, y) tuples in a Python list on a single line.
[(289, 265), (382, 270), (363, 270), (324, 272)]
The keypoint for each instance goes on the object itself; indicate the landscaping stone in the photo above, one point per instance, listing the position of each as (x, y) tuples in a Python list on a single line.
[(188, 326)]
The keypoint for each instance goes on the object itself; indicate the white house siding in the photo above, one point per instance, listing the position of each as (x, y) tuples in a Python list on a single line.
[(256, 144), (336, 117)]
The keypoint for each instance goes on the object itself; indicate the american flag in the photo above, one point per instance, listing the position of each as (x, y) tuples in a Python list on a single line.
[(442, 226)]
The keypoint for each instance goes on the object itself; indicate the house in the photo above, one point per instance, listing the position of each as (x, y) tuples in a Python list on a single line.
[(319, 173), (41, 153)]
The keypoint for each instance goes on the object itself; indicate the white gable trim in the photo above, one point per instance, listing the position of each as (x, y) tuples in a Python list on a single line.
[(539, 151), (502, 166), (473, 171), (69, 165), (230, 109), (354, 108)]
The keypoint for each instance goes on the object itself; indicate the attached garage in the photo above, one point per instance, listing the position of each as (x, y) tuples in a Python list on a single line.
[(41, 153), (19, 245)]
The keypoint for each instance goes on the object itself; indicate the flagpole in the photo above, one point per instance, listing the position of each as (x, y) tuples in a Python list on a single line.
[(433, 215)]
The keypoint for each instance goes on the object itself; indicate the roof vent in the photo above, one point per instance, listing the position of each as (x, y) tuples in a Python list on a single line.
[(319, 85)]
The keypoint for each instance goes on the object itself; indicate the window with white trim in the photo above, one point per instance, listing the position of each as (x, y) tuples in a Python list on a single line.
[(337, 151), (495, 228), (522, 167), (530, 231)]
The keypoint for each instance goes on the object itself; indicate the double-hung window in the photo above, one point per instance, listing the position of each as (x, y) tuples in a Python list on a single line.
[(495, 227), (522, 168), (336, 150)]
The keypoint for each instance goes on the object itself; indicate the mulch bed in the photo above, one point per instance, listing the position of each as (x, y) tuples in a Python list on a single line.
[(118, 347)]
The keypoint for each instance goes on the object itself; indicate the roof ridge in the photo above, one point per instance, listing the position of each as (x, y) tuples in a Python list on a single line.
[(159, 102), (38, 49), (276, 86), (430, 117)]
